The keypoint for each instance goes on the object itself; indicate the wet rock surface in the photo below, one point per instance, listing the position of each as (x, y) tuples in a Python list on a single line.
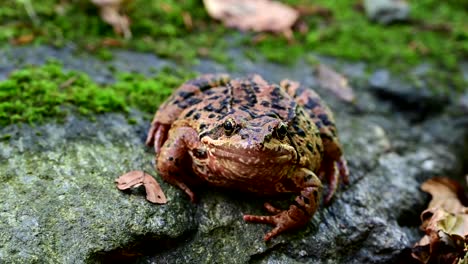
[(60, 204)]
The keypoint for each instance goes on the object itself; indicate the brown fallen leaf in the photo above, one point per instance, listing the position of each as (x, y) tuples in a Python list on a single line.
[(445, 194), (111, 42), (110, 13), (133, 179), (335, 82), (256, 15), (23, 39), (314, 10), (188, 21), (445, 223)]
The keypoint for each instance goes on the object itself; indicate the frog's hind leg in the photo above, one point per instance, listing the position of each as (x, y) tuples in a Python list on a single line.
[(334, 167), (297, 215)]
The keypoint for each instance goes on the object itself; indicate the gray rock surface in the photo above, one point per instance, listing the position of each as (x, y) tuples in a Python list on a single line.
[(59, 203), (386, 11), (417, 101)]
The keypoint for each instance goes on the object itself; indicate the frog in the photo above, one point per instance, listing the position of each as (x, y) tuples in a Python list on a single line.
[(250, 135)]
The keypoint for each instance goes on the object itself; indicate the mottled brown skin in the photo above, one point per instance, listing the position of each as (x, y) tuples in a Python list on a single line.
[(253, 136)]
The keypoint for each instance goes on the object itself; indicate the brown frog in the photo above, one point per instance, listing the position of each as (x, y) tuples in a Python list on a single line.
[(250, 135)]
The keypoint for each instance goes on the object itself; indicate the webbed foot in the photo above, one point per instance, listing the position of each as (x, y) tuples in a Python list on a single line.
[(283, 220)]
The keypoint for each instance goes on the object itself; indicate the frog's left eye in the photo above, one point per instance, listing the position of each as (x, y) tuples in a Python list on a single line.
[(229, 126), (281, 131)]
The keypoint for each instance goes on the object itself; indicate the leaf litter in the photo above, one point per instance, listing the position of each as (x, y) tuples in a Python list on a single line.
[(445, 223)]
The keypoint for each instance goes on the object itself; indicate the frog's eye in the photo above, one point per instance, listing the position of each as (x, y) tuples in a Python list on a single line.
[(281, 131), (229, 126)]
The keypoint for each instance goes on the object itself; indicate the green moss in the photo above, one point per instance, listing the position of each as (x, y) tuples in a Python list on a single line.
[(437, 32), (36, 93), (5, 137)]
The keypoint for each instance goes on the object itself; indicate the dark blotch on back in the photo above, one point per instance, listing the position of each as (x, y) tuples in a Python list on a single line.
[(196, 116), (189, 113), (300, 132), (185, 95), (202, 84), (311, 104), (250, 96), (208, 108), (248, 110), (214, 97), (299, 91), (325, 119), (310, 147), (279, 107), (189, 102)]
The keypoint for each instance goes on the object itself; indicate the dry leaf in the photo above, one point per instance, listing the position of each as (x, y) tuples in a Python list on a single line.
[(445, 194), (314, 10), (335, 82), (111, 42), (133, 179), (23, 39), (109, 12), (445, 223), (188, 21), (256, 15)]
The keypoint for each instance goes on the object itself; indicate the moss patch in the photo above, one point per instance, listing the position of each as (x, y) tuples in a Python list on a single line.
[(438, 30), (35, 93), (436, 33)]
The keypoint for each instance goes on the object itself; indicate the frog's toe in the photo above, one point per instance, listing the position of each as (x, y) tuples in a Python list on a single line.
[(336, 172), (333, 179), (271, 220), (157, 135), (284, 220), (270, 208), (343, 168), (152, 131)]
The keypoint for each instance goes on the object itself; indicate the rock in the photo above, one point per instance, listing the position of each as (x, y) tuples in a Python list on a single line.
[(463, 102), (386, 11), (418, 101), (59, 202)]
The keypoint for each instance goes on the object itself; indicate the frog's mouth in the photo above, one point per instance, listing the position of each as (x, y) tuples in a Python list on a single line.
[(273, 152)]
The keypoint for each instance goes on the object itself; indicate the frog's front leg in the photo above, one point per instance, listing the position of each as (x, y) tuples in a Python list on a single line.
[(297, 215), (173, 161)]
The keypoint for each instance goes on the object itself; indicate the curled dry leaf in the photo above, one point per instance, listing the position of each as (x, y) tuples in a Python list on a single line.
[(256, 15), (335, 82), (23, 39), (109, 12), (133, 179), (445, 223)]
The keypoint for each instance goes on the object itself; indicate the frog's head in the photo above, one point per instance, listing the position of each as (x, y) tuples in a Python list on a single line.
[(257, 142)]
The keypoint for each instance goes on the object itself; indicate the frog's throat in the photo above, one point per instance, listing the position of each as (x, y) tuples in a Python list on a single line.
[(267, 153)]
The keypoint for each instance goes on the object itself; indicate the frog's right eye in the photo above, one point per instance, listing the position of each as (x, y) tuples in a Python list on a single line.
[(229, 126)]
